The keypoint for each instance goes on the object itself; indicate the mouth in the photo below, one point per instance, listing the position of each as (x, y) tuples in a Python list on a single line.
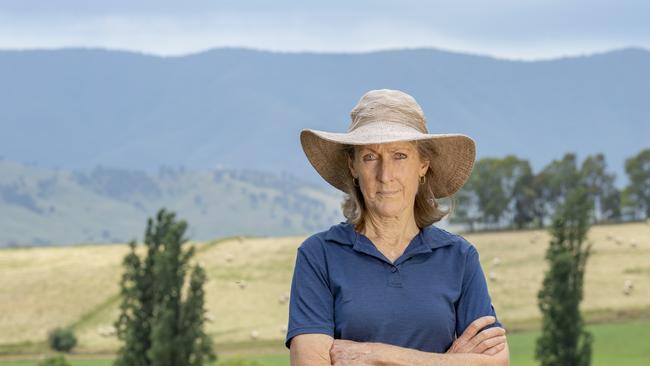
[(387, 193)]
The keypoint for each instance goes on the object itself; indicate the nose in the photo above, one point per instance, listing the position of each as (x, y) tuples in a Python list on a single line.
[(385, 173)]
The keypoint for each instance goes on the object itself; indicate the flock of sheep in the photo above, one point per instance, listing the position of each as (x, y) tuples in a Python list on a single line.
[(628, 285)]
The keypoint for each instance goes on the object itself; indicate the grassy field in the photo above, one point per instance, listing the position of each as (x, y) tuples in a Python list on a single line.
[(77, 286), (624, 344)]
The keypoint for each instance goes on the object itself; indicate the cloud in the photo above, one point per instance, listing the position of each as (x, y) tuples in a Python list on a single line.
[(502, 28)]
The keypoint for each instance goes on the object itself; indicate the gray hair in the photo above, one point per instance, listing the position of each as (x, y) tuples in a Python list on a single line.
[(426, 207)]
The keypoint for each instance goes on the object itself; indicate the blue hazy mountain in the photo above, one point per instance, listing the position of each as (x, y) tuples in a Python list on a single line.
[(41, 206), (240, 108)]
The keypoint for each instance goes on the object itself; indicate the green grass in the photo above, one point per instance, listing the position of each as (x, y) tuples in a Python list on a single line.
[(624, 344)]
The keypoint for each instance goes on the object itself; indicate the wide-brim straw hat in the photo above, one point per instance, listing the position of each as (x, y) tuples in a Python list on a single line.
[(383, 116)]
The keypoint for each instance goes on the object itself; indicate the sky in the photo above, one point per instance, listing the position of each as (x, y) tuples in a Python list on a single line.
[(510, 29)]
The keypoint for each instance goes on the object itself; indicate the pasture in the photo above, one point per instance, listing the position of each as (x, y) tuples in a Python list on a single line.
[(249, 281)]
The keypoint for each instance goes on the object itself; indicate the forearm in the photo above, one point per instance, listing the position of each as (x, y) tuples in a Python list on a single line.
[(389, 355)]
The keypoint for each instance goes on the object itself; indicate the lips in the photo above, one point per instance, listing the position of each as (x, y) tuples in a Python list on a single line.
[(387, 193)]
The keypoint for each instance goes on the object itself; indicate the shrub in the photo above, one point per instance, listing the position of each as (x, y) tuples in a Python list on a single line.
[(57, 360), (62, 339)]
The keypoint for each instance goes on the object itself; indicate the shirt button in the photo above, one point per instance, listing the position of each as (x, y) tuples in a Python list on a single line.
[(394, 269)]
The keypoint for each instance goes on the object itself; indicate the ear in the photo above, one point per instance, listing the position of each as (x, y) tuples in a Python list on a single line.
[(424, 166), (351, 167)]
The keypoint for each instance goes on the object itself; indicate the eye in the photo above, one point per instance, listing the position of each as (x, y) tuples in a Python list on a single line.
[(369, 157), (401, 155)]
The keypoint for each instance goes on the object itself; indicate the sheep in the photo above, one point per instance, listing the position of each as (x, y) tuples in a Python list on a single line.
[(495, 261), (254, 334), (283, 329), (492, 276), (242, 284), (283, 298), (229, 257), (628, 286), (107, 331)]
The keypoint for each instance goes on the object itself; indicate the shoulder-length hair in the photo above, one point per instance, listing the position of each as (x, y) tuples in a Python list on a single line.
[(426, 207)]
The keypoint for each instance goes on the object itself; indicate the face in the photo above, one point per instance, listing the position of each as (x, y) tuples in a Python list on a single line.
[(389, 176)]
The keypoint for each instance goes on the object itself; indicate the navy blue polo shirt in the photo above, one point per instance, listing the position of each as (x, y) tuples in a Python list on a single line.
[(345, 287)]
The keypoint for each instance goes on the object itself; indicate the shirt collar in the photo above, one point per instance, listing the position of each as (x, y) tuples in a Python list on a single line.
[(433, 237)]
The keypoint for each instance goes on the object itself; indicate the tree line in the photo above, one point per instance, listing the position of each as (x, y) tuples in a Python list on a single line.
[(506, 193)]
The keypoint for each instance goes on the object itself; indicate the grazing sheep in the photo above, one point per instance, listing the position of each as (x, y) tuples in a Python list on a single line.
[(628, 286), (609, 236), (254, 335), (492, 276), (107, 331), (495, 261), (633, 243), (229, 257), (242, 284), (283, 329), (209, 317)]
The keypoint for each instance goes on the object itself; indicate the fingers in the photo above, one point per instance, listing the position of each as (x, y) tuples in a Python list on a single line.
[(487, 334), (494, 350), (489, 343), (475, 327), (484, 336)]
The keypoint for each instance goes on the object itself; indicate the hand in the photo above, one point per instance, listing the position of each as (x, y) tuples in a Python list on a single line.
[(490, 341), (345, 352)]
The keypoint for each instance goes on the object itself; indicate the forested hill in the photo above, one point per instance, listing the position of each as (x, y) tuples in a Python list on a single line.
[(243, 109)]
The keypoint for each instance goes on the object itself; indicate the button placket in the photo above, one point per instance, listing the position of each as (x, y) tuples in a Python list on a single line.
[(395, 278)]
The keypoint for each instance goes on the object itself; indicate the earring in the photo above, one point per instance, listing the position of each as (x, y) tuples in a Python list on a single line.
[(355, 181), (423, 179)]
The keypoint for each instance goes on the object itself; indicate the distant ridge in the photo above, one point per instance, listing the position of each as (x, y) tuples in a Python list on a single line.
[(244, 108)]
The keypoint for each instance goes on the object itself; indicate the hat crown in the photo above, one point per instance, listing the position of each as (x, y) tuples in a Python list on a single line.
[(386, 105)]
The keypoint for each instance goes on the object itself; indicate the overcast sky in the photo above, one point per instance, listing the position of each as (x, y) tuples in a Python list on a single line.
[(515, 29)]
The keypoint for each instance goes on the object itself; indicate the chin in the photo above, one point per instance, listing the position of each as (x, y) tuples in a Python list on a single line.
[(388, 211)]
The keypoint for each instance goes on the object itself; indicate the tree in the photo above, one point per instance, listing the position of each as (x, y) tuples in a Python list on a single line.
[(157, 326), (564, 342), (523, 195), (492, 200), (62, 339), (464, 209), (637, 193), (600, 187)]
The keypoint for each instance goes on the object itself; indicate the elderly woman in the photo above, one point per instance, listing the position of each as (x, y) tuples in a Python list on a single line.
[(387, 287)]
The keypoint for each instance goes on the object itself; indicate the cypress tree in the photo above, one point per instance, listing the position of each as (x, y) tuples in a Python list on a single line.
[(152, 313), (563, 341)]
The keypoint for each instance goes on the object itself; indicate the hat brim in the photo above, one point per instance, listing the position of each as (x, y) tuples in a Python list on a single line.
[(451, 164)]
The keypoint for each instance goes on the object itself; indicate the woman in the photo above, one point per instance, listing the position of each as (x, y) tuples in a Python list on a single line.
[(387, 287)]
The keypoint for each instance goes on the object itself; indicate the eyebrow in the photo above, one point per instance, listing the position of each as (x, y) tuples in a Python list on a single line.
[(392, 150)]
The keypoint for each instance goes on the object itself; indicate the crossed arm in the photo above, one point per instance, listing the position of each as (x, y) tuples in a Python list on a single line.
[(488, 347)]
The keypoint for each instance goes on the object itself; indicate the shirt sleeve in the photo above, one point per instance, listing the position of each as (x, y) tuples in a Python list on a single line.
[(474, 301), (311, 304)]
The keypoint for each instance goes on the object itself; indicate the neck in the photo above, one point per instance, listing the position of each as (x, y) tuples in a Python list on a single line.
[(392, 231)]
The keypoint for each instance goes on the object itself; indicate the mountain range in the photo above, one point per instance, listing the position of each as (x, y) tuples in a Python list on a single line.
[(99, 131)]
